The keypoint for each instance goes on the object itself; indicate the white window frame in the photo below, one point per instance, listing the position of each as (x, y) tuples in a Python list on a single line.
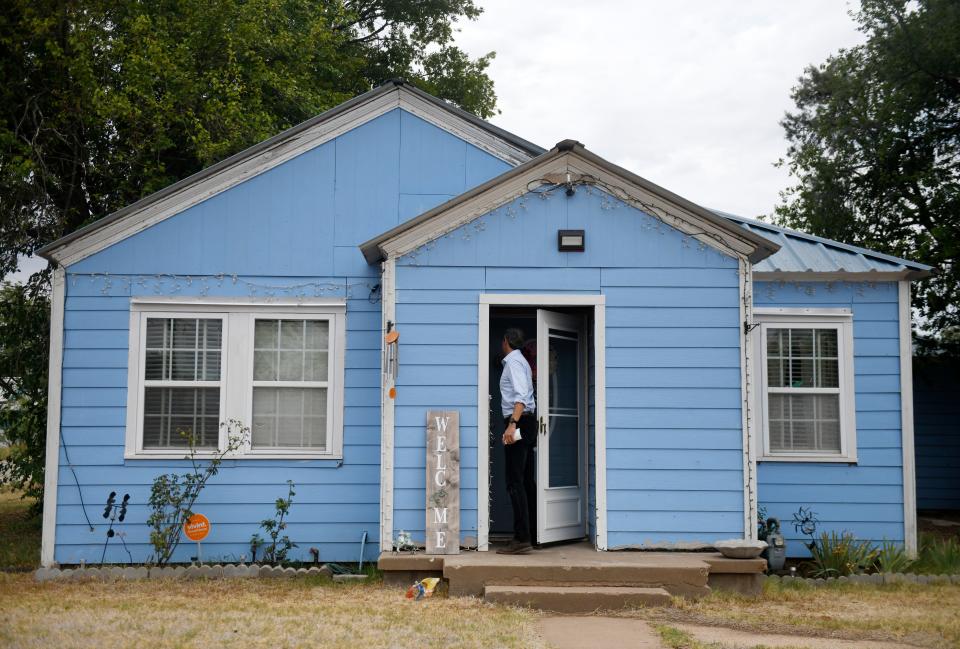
[(839, 319), (236, 373)]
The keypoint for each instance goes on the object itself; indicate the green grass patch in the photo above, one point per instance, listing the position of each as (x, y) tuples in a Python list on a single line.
[(19, 532)]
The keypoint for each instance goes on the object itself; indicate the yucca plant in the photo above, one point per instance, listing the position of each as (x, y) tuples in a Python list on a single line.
[(838, 555), (892, 558)]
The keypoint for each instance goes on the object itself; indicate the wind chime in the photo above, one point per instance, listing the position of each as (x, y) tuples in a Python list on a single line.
[(391, 361)]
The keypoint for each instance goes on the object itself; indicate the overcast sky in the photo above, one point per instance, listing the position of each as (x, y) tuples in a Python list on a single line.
[(686, 93)]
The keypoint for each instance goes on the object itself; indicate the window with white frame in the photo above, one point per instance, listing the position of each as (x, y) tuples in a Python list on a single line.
[(275, 367), (806, 384)]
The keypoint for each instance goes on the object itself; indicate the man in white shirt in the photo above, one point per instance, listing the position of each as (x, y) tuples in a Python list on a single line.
[(518, 407)]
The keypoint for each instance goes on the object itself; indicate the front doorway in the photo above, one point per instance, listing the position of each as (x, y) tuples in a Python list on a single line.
[(558, 344)]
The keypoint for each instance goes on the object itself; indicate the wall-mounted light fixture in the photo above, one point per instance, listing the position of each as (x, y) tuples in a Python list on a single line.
[(571, 240)]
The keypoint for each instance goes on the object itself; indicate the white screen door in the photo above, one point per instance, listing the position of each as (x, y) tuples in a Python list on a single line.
[(561, 409)]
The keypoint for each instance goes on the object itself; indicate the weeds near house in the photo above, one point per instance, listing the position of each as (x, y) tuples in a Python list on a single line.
[(173, 495), (838, 555), (938, 556), (276, 551), (892, 558)]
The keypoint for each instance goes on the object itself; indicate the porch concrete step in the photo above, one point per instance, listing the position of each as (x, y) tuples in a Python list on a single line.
[(677, 574), (576, 599)]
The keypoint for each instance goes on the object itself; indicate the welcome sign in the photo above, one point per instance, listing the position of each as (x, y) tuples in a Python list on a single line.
[(443, 482)]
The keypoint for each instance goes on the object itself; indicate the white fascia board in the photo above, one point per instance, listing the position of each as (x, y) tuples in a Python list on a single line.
[(54, 383), (296, 145), (906, 422), (489, 200)]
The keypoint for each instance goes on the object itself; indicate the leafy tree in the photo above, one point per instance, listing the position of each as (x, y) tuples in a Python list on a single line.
[(105, 101), (24, 325), (875, 146)]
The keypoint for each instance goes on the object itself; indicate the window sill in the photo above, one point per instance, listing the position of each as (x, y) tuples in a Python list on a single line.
[(832, 459), (262, 455)]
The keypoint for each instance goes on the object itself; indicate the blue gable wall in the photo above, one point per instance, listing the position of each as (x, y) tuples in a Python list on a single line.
[(297, 224), (674, 467), (866, 498)]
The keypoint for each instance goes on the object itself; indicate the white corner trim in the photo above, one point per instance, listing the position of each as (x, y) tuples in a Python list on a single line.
[(748, 414), (483, 427), (388, 314), (600, 419), (283, 151), (54, 383), (906, 423)]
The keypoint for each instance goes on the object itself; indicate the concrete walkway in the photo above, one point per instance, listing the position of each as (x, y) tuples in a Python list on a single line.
[(574, 632)]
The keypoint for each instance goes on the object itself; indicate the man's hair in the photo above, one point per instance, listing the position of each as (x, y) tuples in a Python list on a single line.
[(514, 337)]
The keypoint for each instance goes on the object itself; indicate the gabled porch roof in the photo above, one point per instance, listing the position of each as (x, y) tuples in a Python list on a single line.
[(570, 159)]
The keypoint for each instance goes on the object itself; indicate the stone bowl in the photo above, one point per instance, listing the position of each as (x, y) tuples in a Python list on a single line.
[(740, 548)]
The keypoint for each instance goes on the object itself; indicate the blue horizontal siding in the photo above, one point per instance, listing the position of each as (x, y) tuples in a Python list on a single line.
[(299, 223), (867, 498), (673, 357)]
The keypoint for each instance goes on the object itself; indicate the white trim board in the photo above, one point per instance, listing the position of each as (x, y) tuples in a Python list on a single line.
[(906, 422), (297, 144), (388, 314), (55, 377), (598, 302), (748, 414)]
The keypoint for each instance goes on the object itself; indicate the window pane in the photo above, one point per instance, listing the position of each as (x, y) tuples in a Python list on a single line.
[(801, 373), (289, 418), (291, 334), (171, 414), (775, 342), (801, 342), (804, 422), (775, 378), (827, 343), (316, 366), (291, 350), (828, 373), (317, 334), (183, 349)]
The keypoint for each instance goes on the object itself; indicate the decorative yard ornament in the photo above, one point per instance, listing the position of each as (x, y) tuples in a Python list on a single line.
[(115, 513)]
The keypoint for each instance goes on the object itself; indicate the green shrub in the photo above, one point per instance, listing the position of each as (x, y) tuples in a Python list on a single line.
[(892, 558), (938, 556), (837, 555)]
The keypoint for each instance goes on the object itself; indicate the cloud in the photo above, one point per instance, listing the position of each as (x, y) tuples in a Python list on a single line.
[(688, 94)]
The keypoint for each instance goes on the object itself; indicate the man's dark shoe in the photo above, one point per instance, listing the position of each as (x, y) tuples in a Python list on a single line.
[(516, 547)]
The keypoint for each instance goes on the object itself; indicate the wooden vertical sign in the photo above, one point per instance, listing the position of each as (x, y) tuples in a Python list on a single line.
[(443, 482)]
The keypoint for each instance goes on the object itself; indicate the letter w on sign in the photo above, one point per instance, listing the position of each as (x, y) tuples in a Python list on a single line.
[(443, 482)]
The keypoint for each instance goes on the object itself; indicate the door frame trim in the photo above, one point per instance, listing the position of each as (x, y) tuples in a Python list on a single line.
[(598, 302)]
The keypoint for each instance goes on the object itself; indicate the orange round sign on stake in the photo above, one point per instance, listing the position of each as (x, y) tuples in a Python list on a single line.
[(197, 527)]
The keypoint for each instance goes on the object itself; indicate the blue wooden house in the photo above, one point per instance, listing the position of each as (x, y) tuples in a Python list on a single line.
[(691, 365)]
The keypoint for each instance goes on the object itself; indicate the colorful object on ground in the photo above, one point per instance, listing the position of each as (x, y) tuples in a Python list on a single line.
[(423, 588)]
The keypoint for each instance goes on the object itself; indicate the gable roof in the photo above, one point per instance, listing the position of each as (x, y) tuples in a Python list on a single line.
[(267, 154), (568, 157), (805, 253)]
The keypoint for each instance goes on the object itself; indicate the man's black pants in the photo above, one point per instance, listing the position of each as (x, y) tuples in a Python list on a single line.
[(521, 476)]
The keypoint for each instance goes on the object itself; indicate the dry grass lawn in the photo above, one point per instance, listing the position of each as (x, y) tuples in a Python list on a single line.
[(247, 613), (927, 616)]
